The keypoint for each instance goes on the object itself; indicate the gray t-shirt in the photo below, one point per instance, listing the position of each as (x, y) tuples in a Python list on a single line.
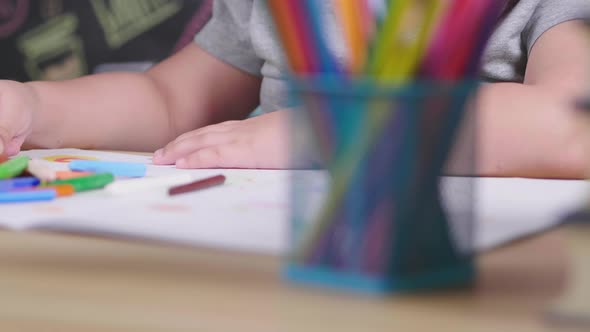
[(506, 55), (241, 33)]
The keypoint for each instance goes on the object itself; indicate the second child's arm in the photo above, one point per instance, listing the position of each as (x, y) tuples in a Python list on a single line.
[(530, 129), (533, 129), (141, 111)]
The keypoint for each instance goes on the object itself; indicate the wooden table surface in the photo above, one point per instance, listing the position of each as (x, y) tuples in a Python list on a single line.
[(67, 283)]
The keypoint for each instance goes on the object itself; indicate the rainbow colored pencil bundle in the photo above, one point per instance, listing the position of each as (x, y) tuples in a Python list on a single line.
[(24, 180), (383, 124), (397, 41)]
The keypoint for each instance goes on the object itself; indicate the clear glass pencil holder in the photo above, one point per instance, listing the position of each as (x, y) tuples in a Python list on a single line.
[(367, 211)]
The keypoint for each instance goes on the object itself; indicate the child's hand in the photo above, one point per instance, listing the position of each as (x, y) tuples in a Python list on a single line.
[(18, 103), (259, 142)]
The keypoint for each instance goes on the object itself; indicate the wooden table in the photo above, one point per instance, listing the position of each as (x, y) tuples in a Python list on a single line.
[(65, 283)]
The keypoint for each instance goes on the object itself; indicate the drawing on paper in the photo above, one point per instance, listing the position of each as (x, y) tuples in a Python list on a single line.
[(172, 208), (67, 158)]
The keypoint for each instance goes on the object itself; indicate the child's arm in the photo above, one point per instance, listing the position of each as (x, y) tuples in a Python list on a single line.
[(529, 129), (126, 111), (532, 129)]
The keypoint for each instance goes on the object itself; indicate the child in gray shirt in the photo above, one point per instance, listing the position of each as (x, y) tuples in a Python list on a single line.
[(527, 126), (241, 34)]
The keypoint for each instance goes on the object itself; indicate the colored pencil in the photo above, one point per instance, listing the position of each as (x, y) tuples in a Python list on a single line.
[(13, 167), (368, 21), (27, 196), (304, 38), (446, 38), (291, 37), (197, 185), (115, 168), (387, 38), (86, 183), (470, 29), (355, 22), (315, 21), (62, 190), (18, 183), (42, 170), (403, 66), (67, 175)]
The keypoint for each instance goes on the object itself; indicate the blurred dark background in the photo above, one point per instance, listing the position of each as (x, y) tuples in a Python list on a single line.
[(62, 39)]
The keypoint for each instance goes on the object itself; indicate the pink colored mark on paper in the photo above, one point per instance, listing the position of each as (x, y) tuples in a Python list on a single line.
[(170, 208), (49, 209), (67, 158)]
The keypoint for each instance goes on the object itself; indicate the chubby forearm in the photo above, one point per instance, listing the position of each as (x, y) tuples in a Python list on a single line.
[(124, 111), (530, 131), (142, 111)]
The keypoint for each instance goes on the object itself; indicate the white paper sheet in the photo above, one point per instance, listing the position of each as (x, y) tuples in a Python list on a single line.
[(251, 211), (509, 208), (248, 212)]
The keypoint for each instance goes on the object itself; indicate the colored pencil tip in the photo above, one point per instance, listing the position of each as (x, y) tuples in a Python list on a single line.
[(197, 185)]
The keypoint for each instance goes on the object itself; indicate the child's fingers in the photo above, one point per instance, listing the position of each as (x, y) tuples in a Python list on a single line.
[(13, 147), (217, 128), (5, 138), (179, 149), (232, 155)]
